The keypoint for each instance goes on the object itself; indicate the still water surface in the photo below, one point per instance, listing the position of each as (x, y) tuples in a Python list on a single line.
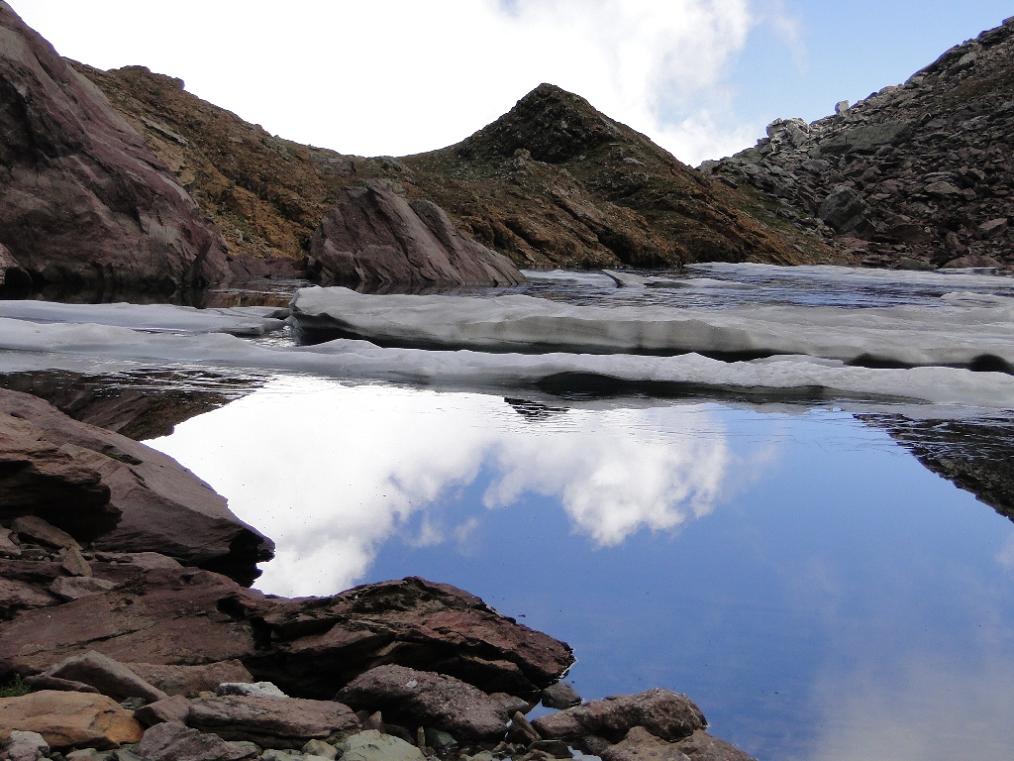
[(807, 581)]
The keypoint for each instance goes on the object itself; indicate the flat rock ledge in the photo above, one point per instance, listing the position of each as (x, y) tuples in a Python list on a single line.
[(119, 643)]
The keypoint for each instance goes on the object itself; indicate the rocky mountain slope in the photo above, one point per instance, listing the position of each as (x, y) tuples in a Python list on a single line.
[(919, 174), (554, 182)]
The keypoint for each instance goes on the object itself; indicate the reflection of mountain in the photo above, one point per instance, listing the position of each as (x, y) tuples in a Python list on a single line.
[(978, 456), (534, 411), (138, 405)]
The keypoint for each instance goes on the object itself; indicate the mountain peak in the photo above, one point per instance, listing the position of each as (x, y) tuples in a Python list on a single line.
[(552, 124)]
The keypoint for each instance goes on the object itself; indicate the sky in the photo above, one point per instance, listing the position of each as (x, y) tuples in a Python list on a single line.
[(392, 77)]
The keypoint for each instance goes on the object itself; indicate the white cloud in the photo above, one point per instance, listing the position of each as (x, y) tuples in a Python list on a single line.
[(401, 76), (360, 461)]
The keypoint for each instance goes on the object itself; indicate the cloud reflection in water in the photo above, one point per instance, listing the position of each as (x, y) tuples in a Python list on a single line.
[(331, 471)]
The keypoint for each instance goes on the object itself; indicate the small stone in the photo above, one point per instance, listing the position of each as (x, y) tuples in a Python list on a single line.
[(439, 740), (25, 746), (371, 745), (669, 715), (174, 708), (73, 562), (8, 546), (280, 755), (250, 689), (560, 695), (841, 107), (76, 587), (43, 532), (320, 748), (86, 754), (172, 741), (521, 731), (107, 676)]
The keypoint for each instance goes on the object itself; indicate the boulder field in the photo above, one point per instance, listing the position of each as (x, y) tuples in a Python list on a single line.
[(123, 639)]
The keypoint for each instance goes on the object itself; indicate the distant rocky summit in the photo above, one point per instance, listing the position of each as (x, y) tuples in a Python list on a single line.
[(552, 183), (919, 174), (83, 201)]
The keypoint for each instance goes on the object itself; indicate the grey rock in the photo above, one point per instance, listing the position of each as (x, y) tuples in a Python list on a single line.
[(172, 741), (253, 689), (88, 754), (38, 530), (845, 210), (560, 695), (521, 730), (8, 546), (174, 708), (76, 587), (320, 748), (841, 107), (371, 745), (943, 189), (668, 715), (73, 562), (25, 746), (273, 754), (439, 740), (106, 675), (426, 698)]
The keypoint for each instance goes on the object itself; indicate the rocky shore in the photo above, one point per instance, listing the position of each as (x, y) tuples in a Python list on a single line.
[(129, 631)]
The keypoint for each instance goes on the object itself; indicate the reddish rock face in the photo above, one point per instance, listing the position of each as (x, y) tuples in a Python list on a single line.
[(376, 239), (83, 202), (119, 494)]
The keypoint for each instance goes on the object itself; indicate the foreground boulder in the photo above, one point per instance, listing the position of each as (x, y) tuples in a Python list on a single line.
[(115, 492), (376, 239), (421, 698), (172, 741), (83, 202), (103, 674), (321, 643), (69, 719), (668, 715)]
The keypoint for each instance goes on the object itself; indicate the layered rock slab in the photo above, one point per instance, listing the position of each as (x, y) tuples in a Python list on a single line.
[(376, 239), (116, 492), (83, 201)]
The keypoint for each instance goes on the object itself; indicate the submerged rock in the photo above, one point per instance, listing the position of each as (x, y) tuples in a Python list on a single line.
[(376, 239)]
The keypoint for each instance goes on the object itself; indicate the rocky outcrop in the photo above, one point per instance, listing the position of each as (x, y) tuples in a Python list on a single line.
[(919, 174), (375, 239), (118, 494), (83, 202), (411, 622)]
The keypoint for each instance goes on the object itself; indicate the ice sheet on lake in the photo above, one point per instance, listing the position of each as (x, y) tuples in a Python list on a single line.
[(857, 276), (959, 330), (240, 321), (91, 344)]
